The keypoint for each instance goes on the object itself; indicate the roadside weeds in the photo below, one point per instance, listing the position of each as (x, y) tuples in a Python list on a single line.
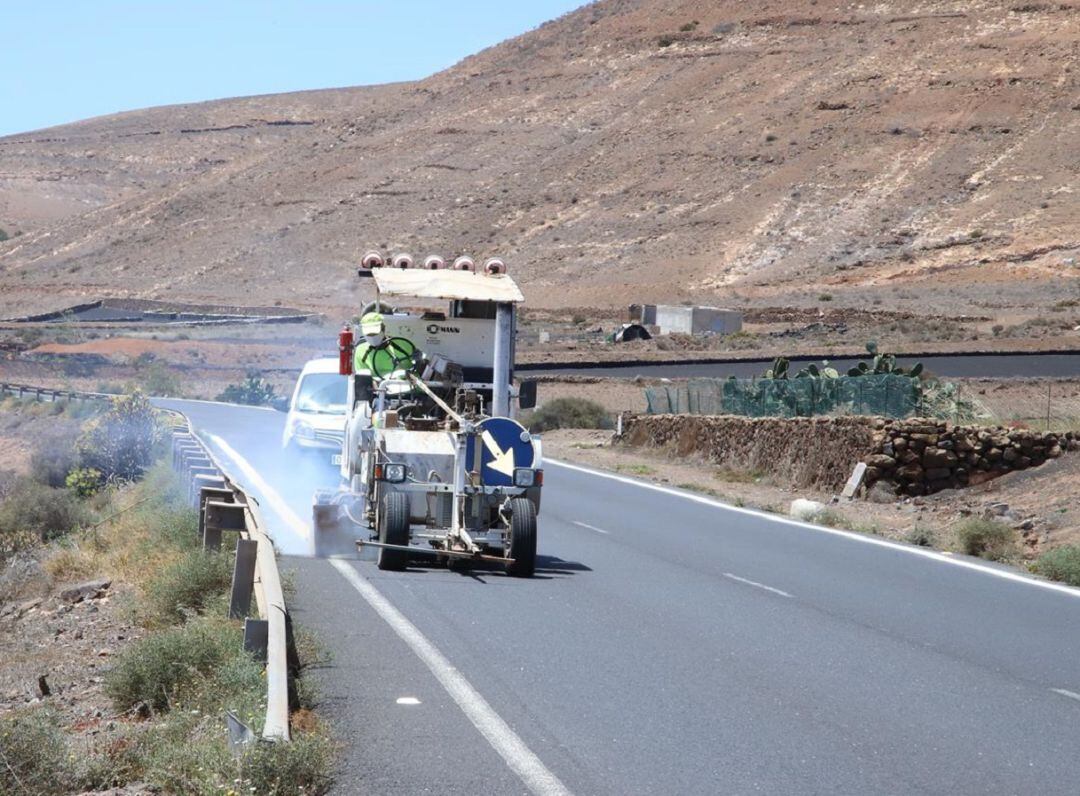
[(170, 687)]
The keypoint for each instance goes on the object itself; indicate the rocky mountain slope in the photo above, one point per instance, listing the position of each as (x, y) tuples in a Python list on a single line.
[(910, 154)]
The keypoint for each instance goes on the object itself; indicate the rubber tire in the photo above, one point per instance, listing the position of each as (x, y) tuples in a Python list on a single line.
[(522, 538), (394, 529)]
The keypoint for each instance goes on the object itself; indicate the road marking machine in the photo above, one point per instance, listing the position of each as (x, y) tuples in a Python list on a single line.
[(433, 462)]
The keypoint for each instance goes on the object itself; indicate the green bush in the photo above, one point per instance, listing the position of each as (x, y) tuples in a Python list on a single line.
[(3, 235), (253, 391), (152, 670), (1062, 563), (54, 457), (569, 413), (33, 751), (84, 481), (120, 443), (284, 769), (987, 538), (157, 379), (43, 511), (921, 536), (186, 585)]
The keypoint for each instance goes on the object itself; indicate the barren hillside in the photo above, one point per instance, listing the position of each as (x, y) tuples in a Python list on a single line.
[(906, 153)]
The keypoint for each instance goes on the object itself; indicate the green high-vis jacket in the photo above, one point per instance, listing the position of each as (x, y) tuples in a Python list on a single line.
[(394, 353)]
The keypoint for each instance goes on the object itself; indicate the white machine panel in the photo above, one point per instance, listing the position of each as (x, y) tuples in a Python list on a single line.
[(468, 341)]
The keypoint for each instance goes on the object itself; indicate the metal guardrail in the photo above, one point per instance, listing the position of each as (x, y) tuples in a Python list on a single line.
[(224, 507), (50, 394)]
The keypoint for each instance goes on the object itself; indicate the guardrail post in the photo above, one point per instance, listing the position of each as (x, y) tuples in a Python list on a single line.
[(220, 517), (208, 493), (193, 455), (181, 443), (243, 580), (256, 638), (201, 482), (194, 472)]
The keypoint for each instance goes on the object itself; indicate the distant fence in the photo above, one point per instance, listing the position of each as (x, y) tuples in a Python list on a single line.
[(886, 395)]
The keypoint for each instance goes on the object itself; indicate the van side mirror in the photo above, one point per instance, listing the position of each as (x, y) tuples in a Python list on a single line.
[(527, 394), (363, 387)]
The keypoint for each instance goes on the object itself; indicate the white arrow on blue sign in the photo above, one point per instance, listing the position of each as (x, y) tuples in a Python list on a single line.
[(504, 445)]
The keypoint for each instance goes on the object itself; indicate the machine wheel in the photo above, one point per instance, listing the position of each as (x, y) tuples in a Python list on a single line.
[(522, 538), (394, 529)]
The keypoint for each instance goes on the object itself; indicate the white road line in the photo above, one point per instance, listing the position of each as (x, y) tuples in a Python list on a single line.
[(522, 761), (211, 403), (272, 498), (1066, 693), (754, 583), (536, 776), (855, 537), (590, 527)]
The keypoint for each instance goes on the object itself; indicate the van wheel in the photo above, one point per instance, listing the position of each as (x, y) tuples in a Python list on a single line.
[(522, 548), (394, 529)]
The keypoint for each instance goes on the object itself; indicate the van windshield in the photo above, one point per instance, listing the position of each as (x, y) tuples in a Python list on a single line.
[(322, 393)]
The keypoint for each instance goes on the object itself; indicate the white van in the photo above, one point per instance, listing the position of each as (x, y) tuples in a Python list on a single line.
[(316, 418)]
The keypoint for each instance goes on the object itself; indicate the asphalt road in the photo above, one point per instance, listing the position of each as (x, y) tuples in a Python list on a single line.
[(672, 645), (1043, 365)]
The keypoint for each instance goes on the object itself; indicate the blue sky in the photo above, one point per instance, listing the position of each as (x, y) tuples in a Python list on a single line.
[(63, 60)]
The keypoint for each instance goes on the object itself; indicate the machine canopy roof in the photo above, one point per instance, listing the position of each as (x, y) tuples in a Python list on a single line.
[(446, 284)]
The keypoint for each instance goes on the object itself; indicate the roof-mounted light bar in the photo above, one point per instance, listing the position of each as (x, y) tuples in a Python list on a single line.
[(372, 259)]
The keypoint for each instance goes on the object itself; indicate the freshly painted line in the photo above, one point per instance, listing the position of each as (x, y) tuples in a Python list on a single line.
[(253, 479), (408, 701), (1066, 693), (211, 403), (590, 527), (522, 760), (749, 582), (933, 555)]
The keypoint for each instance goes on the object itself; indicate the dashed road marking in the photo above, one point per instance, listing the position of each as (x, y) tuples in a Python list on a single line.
[(590, 527), (755, 584), (933, 555), (1066, 693)]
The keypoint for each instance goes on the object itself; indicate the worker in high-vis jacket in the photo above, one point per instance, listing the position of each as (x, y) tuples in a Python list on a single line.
[(381, 356)]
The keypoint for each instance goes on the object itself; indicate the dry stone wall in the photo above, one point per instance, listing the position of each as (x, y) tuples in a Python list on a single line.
[(914, 456), (807, 452), (922, 456)]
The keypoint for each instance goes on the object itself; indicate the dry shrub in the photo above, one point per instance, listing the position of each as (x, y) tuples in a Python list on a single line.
[(569, 413), (1062, 563), (986, 538)]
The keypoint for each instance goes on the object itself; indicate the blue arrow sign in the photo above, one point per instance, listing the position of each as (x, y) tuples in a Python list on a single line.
[(504, 444)]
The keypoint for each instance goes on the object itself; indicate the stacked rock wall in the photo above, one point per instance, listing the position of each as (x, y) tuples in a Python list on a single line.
[(805, 452), (924, 456), (916, 456)]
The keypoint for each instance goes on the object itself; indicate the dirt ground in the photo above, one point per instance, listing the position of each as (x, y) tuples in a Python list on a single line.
[(67, 642), (916, 153)]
